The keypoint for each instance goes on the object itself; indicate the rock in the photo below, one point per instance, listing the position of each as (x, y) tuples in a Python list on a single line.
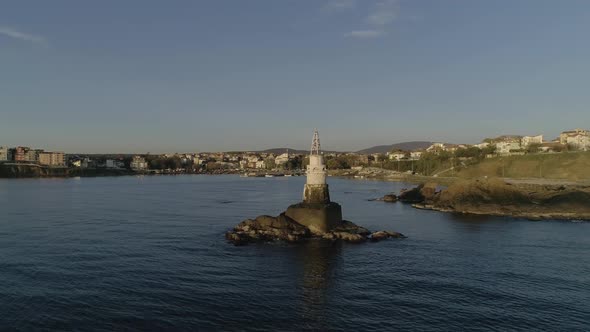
[(267, 228), (350, 227), (428, 191), (282, 228), (390, 198), (236, 238), (329, 236), (382, 235), (413, 195), (350, 237)]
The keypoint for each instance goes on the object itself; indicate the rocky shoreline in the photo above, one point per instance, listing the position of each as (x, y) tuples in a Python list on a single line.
[(282, 228), (494, 197), (529, 215)]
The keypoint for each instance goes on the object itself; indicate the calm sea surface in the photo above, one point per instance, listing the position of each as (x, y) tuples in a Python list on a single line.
[(148, 253)]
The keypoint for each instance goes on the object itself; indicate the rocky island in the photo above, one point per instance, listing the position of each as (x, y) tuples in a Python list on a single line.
[(499, 198), (315, 217)]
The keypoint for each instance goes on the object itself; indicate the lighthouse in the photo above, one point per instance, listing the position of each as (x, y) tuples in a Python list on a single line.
[(316, 211), (316, 189)]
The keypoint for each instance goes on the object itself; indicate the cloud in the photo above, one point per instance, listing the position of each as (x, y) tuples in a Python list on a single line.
[(15, 34), (381, 14), (365, 33), (385, 12), (340, 4)]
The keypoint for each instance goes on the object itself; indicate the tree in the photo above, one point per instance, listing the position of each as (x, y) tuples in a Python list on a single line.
[(533, 148), (294, 163), (269, 163)]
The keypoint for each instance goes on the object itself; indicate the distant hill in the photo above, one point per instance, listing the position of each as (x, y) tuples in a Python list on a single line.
[(293, 151), (283, 150), (406, 146)]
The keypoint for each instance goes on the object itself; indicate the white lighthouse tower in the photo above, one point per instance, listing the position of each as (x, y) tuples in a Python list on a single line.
[(316, 211), (316, 188)]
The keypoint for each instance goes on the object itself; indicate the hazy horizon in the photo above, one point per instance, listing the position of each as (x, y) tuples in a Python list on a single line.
[(220, 75)]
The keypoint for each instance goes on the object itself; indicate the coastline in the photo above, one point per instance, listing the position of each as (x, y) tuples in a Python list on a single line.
[(495, 197), (482, 208), (374, 174), (15, 171), (532, 216)]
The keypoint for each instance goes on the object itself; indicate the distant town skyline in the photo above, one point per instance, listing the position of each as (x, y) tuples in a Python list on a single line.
[(221, 75)]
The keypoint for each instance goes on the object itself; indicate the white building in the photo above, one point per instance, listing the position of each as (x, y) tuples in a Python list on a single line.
[(507, 147), (138, 163), (415, 155), (578, 138), (282, 159), (81, 163), (563, 137), (436, 147), (3, 153), (398, 155), (528, 140), (110, 163), (482, 145)]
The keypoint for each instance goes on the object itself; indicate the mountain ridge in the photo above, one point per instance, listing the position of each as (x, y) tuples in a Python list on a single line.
[(406, 146)]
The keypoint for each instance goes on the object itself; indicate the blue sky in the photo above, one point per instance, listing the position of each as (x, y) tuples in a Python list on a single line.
[(203, 75)]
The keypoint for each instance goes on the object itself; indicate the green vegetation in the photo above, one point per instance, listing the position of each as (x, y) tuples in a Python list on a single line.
[(343, 162), (160, 162), (566, 165), (431, 163), (294, 163)]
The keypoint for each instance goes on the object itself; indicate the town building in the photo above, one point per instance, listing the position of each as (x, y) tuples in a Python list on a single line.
[(21, 153), (114, 164), (138, 163), (482, 145), (396, 155), (577, 138), (11, 153), (244, 164), (415, 155), (54, 159), (528, 140), (3, 154), (80, 162), (551, 147), (506, 144), (283, 158), (438, 147), (507, 147)]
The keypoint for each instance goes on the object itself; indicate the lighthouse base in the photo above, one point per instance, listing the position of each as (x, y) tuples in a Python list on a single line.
[(316, 194), (319, 218)]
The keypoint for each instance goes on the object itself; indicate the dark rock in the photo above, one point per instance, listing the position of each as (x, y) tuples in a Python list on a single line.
[(382, 235), (283, 228), (390, 198), (428, 191), (266, 228), (413, 195), (350, 227), (419, 194), (349, 237)]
